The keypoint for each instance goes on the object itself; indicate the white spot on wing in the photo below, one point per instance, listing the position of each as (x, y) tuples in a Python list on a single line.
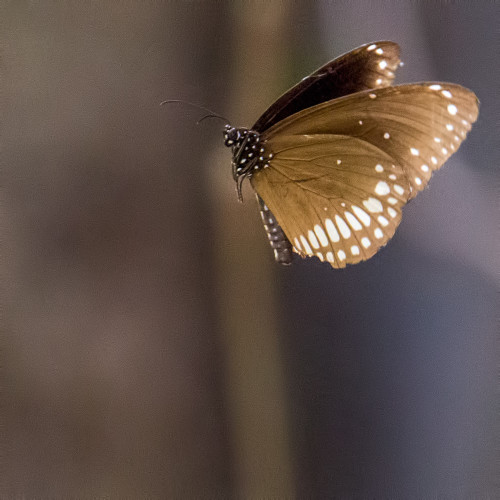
[(378, 233), (382, 188), (418, 181), (392, 200), (366, 242), (379, 168), (355, 250), (424, 168), (341, 255), (332, 231), (379, 51), (297, 244), (353, 221), (373, 205), (371, 47), (414, 151), (343, 227), (382, 64), (435, 87), (362, 215), (313, 239), (320, 256), (307, 248), (398, 189), (383, 221), (321, 235), (449, 127), (434, 160), (392, 212), (372, 96), (329, 256), (387, 135), (446, 93), (452, 109)]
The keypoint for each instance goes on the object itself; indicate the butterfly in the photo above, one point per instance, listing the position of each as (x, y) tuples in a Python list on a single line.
[(334, 159)]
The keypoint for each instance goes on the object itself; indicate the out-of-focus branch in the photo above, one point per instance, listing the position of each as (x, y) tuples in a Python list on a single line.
[(247, 290)]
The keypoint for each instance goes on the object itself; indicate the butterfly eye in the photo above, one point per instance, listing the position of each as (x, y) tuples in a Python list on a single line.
[(231, 135)]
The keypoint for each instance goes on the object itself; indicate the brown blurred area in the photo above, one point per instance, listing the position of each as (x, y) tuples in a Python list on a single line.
[(151, 347)]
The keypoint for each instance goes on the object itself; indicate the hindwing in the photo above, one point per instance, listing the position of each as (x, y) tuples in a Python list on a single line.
[(336, 197)]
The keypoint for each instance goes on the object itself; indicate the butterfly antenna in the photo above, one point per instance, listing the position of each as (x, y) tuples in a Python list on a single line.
[(209, 111), (211, 116)]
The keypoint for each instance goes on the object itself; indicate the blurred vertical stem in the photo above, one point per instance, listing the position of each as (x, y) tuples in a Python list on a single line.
[(246, 286)]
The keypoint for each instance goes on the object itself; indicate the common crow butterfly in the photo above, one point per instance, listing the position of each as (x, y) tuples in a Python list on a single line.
[(334, 160)]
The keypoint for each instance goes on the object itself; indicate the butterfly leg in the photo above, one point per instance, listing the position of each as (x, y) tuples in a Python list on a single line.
[(283, 252), (237, 154)]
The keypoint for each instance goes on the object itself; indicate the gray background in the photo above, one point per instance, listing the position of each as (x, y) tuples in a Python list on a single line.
[(152, 348)]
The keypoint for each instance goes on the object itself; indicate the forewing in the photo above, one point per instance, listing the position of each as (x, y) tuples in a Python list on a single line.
[(336, 197), (419, 126), (367, 67)]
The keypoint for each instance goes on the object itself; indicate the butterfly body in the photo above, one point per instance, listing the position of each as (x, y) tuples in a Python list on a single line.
[(334, 160)]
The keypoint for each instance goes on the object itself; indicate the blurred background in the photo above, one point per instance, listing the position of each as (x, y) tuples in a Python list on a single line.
[(152, 347)]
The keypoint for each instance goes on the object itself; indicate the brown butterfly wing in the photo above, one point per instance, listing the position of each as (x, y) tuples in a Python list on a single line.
[(342, 170), (419, 125), (352, 72), (331, 196)]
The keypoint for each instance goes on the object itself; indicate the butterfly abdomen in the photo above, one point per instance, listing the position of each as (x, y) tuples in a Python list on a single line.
[(280, 244)]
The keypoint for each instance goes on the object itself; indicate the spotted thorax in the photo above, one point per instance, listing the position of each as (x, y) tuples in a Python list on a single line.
[(249, 154)]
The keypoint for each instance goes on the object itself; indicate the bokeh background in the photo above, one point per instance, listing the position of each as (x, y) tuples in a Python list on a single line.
[(151, 347)]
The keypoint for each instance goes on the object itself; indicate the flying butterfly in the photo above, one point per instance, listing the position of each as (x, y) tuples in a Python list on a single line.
[(334, 159)]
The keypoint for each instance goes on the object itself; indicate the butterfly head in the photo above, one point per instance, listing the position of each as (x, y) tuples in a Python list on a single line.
[(233, 136)]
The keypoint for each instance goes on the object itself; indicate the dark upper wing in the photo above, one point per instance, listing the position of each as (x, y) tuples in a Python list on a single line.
[(370, 66)]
